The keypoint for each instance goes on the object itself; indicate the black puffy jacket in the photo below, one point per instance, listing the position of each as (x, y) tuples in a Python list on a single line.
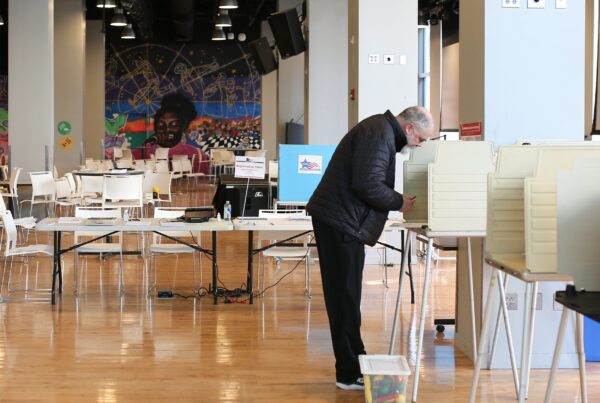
[(357, 192)]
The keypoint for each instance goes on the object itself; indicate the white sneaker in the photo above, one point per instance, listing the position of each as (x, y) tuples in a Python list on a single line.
[(359, 384)]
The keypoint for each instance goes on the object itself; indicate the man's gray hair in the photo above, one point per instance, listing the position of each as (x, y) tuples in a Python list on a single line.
[(416, 115)]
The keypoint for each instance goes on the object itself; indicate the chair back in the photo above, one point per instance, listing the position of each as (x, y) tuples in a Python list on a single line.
[(186, 165), (11, 230), (139, 165), (117, 153), (162, 166), (281, 235), (92, 165), (124, 163), (91, 185), (63, 188), (122, 187), (127, 154), (96, 212), (107, 165), (180, 157), (72, 183), (171, 212), (14, 179), (273, 170), (42, 184), (255, 153), (150, 165), (162, 180), (177, 168), (161, 154)]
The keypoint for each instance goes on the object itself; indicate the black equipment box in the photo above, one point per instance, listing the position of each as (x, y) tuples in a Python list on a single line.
[(233, 189)]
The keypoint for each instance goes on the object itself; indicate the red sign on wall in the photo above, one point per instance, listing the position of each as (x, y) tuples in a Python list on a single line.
[(470, 129)]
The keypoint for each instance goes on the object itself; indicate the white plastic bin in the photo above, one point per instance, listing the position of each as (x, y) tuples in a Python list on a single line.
[(386, 377)]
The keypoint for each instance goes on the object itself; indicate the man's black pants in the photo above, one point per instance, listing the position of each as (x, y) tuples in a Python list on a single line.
[(342, 258)]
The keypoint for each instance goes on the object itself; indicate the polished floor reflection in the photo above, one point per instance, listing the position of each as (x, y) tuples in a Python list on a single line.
[(100, 346)]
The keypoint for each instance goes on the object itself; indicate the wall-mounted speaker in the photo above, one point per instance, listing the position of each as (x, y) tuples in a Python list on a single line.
[(287, 32), (263, 55)]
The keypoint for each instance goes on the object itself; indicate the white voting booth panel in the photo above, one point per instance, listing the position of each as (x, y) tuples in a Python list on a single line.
[(506, 242), (540, 204), (458, 185), (578, 223), (416, 181), (505, 219)]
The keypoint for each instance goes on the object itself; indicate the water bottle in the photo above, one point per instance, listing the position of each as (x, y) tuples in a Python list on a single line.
[(126, 215), (227, 211)]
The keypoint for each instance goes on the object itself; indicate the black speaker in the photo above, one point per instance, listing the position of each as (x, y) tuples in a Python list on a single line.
[(287, 32), (263, 55)]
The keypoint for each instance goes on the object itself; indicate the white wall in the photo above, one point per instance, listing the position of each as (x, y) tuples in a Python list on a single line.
[(327, 94), (31, 83), (93, 127), (387, 27), (69, 70), (450, 90), (534, 72)]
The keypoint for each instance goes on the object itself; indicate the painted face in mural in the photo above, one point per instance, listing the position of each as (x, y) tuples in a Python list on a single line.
[(168, 130)]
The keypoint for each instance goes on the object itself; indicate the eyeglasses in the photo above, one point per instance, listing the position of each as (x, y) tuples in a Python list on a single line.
[(438, 137)]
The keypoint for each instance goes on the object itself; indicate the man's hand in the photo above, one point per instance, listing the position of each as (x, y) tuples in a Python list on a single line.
[(409, 202)]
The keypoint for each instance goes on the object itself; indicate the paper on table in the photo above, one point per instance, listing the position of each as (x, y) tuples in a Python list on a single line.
[(69, 220)]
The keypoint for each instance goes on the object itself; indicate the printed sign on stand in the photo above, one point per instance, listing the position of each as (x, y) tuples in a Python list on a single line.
[(249, 167)]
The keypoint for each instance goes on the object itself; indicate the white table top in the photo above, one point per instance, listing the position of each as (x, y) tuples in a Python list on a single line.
[(273, 224), (144, 224), (453, 234)]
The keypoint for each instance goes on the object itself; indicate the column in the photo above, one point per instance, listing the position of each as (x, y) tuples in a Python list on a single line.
[(31, 84), (69, 73)]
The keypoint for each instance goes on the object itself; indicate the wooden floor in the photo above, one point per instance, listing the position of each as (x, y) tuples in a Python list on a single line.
[(101, 347)]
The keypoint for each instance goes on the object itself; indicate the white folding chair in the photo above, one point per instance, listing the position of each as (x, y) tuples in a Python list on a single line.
[(117, 153), (161, 154), (162, 166), (64, 194), (11, 250), (139, 165), (13, 192), (177, 169), (123, 191), (106, 165), (98, 247), (284, 252), (42, 190), (160, 180), (158, 247)]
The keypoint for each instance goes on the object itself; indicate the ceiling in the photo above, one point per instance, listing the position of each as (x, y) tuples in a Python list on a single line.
[(182, 20)]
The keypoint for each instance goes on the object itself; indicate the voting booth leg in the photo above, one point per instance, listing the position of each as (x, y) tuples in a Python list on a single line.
[(422, 319), (581, 355), (528, 328), (511, 349), (557, 351), (472, 300), (498, 317), (483, 337), (399, 297)]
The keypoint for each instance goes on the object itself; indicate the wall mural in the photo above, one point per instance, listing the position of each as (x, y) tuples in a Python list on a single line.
[(4, 120), (183, 96)]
